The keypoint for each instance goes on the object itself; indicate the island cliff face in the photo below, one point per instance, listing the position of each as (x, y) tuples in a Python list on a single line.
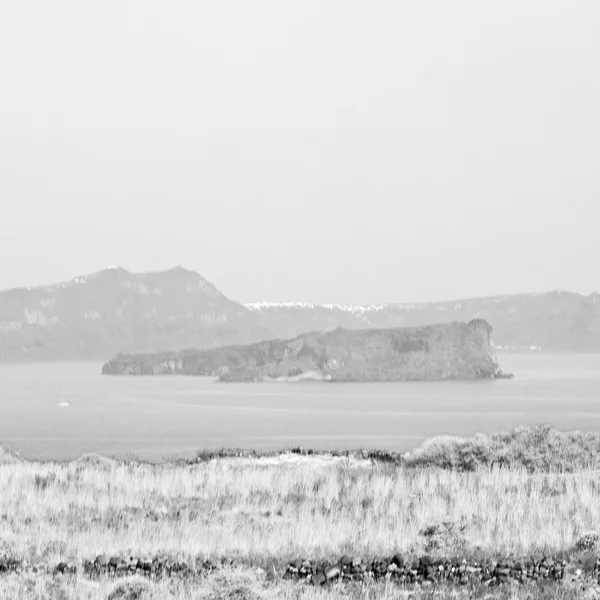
[(458, 351)]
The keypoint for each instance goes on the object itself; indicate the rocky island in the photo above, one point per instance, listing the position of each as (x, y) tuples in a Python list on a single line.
[(459, 351)]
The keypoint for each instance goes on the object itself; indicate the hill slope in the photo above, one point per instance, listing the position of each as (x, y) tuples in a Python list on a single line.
[(554, 321), (114, 311), (437, 352), (94, 316)]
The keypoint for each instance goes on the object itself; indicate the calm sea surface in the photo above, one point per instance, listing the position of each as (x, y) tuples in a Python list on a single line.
[(156, 417)]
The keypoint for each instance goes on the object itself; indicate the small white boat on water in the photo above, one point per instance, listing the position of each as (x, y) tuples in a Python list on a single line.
[(64, 402)]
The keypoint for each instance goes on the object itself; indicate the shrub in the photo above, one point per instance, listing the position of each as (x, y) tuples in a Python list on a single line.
[(588, 541), (540, 448), (130, 590), (447, 537)]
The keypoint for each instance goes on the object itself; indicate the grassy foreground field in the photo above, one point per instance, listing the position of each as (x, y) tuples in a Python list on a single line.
[(264, 513)]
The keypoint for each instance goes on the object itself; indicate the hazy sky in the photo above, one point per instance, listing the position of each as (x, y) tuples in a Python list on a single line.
[(320, 150)]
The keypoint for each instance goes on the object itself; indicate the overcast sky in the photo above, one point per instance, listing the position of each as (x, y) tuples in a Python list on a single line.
[(320, 150)]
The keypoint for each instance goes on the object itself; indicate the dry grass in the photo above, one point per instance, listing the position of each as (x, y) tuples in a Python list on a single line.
[(53, 512), (264, 511), (246, 585)]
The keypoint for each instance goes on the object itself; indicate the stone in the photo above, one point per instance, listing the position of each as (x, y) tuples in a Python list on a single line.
[(122, 565), (332, 572), (319, 578), (398, 560), (588, 561), (147, 564)]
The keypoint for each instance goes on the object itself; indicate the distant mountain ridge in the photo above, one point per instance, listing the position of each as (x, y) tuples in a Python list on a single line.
[(95, 316), (550, 321)]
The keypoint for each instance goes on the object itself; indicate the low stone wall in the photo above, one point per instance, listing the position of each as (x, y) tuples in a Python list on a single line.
[(118, 566), (422, 571), (427, 570)]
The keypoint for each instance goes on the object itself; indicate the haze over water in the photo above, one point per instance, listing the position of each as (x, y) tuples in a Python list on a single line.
[(156, 417)]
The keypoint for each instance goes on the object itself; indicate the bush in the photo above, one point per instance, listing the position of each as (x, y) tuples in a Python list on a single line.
[(537, 449), (588, 541), (447, 537), (130, 590)]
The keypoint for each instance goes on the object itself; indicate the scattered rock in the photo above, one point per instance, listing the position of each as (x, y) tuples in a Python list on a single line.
[(319, 578), (589, 561)]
